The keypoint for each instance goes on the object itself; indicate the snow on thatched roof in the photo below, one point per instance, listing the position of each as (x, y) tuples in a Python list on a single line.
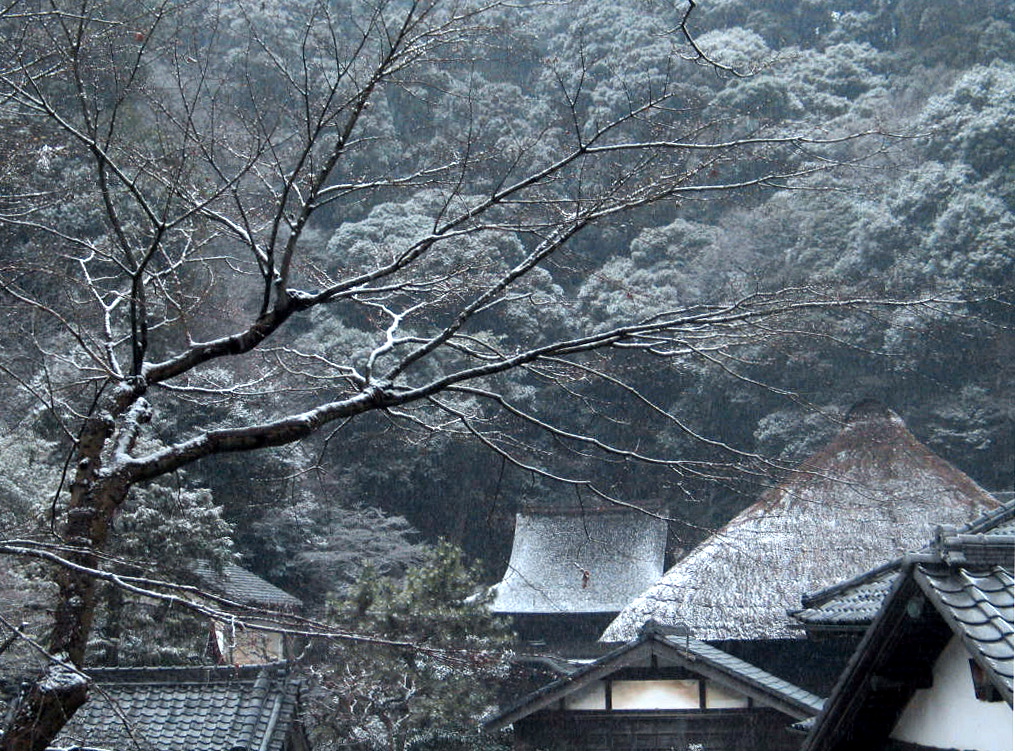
[(873, 493), (580, 561)]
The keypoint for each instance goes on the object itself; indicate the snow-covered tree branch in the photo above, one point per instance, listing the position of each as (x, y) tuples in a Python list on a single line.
[(325, 210)]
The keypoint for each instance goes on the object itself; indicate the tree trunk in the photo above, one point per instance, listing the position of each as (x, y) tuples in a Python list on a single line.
[(112, 632), (45, 707), (93, 501)]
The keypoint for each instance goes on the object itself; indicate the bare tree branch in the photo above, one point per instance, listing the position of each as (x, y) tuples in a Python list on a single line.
[(186, 262)]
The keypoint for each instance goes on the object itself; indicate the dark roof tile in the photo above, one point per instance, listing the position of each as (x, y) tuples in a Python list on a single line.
[(745, 670), (185, 709), (971, 604), (245, 587), (977, 604)]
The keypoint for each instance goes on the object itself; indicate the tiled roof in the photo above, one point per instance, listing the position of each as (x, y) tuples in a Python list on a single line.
[(243, 586), (185, 709), (580, 562), (959, 588), (694, 655), (999, 522), (749, 673), (978, 605), (873, 493), (855, 602)]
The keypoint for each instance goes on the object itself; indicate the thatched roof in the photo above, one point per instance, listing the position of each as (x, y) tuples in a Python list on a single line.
[(873, 493), (580, 561)]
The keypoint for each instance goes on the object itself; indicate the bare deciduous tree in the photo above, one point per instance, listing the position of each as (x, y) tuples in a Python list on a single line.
[(170, 244)]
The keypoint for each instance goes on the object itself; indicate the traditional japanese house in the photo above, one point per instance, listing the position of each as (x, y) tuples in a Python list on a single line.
[(246, 637), (873, 493), (662, 690), (189, 709), (934, 670), (572, 570)]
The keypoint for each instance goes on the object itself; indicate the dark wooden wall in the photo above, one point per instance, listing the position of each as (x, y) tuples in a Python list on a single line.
[(755, 729)]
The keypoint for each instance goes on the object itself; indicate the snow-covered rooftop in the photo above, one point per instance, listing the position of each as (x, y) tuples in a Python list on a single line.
[(186, 709), (856, 601), (873, 493), (246, 587), (580, 561)]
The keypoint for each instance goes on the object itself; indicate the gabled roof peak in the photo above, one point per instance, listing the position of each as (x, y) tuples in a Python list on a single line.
[(653, 627), (696, 656)]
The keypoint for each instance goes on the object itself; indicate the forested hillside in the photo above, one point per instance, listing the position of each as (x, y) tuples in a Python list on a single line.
[(930, 214), (314, 284)]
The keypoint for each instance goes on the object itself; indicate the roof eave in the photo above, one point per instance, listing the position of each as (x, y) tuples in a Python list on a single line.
[(970, 645), (628, 654), (831, 627)]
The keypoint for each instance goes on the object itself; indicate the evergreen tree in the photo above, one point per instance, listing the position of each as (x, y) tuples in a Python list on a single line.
[(436, 674)]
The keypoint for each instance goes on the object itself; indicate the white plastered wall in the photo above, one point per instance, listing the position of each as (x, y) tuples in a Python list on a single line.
[(948, 714), (655, 695)]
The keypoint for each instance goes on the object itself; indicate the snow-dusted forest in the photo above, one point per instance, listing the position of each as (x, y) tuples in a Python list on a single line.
[(331, 288)]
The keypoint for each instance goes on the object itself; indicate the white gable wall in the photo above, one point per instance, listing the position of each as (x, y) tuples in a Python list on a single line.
[(591, 697), (635, 695), (672, 694), (948, 714)]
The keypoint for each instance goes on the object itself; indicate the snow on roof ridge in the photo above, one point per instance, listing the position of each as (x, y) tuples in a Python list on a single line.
[(873, 493), (565, 563)]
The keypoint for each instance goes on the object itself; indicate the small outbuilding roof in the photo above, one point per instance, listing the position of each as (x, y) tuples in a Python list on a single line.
[(661, 644), (245, 587), (873, 493), (580, 561), (187, 709)]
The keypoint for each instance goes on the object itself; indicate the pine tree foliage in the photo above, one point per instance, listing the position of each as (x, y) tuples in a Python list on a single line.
[(436, 685)]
